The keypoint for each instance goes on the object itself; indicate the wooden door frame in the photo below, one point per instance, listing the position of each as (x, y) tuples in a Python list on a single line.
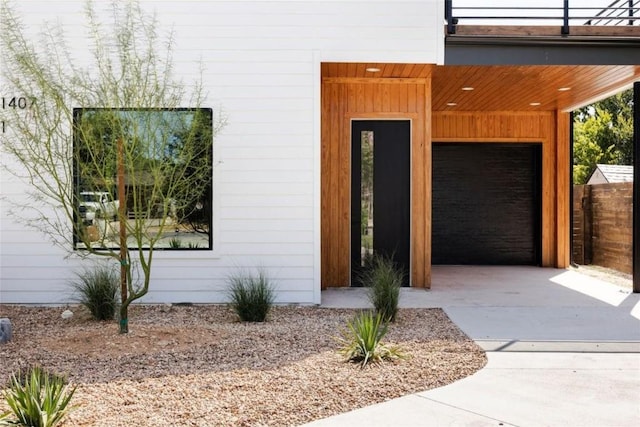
[(347, 99), (418, 226)]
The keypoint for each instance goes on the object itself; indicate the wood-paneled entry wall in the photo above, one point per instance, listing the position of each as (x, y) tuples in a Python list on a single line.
[(350, 98), (551, 129), (344, 100)]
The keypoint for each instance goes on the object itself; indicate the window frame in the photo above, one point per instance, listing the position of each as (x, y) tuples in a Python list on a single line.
[(208, 195)]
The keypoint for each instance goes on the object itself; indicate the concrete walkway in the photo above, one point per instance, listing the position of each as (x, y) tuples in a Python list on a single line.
[(563, 350)]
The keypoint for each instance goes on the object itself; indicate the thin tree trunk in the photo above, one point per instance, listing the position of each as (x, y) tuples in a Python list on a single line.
[(124, 312)]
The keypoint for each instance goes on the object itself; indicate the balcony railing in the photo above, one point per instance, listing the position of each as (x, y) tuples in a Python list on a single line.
[(566, 14)]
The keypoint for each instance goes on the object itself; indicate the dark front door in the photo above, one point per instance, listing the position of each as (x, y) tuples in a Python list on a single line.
[(380, 197)]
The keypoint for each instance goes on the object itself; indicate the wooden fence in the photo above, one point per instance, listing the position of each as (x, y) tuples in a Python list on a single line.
[(602, 225)]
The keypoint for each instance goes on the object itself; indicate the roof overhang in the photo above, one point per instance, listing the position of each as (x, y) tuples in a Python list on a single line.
[(542, 45), (500, 87)]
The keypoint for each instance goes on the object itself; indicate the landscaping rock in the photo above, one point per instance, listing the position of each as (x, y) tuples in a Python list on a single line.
[(5, 330), (198, 366)]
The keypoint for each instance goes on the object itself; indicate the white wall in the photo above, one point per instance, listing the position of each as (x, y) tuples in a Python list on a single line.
[(262, 66)]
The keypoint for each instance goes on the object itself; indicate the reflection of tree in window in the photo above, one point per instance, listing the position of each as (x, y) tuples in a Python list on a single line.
[(167, 163), (195, 211), (366, 196), (96, 153)]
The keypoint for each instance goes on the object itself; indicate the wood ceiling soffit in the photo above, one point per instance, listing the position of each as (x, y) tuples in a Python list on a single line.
[(496, 87), (513, 88), (359, 70), (374, 80)]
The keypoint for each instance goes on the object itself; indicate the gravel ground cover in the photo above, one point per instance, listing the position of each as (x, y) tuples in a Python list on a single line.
[(618, 278), (199, 366)]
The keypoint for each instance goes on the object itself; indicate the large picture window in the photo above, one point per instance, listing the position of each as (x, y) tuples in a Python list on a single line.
[(145, 171)]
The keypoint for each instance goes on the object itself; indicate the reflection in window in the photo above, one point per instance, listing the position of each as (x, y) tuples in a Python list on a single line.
[(366, 198), (166, 162)]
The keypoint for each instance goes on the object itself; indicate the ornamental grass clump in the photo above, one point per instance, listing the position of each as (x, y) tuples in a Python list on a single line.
[(36, 398), (175, 243), (98, 290), (251, 296), (362, 340), (384, 280)]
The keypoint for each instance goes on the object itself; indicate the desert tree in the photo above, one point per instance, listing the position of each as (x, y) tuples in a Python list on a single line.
[(118, 124)]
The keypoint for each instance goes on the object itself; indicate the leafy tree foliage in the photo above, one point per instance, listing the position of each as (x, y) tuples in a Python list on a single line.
[(603, 133)]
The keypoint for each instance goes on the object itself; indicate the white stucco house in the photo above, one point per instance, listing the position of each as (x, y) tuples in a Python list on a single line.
[(302, 84)]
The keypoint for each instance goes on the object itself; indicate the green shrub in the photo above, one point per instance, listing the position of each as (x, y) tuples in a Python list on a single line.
[(36, 398), (384, 280), (362, 340), (251, 296), (98, 291)]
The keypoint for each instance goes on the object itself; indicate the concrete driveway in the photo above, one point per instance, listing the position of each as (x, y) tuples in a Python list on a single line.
[(563, 349)]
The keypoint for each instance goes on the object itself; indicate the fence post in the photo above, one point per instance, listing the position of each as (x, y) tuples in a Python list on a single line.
[(577, 225), (635, 267), (587, 223), (631, 12)]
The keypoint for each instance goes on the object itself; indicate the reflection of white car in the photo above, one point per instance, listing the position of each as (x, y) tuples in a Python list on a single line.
[(97, 204)]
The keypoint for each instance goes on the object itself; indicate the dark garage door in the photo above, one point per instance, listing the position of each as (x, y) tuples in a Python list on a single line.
[(486, 204)]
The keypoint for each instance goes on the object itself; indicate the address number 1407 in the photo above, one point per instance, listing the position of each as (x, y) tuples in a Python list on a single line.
[(17, 102)]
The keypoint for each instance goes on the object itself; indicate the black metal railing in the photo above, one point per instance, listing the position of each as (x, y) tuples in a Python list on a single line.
[(619, 12)]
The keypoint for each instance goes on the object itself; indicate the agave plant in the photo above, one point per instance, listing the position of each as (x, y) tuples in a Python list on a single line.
[(362, 340), (36, 398), (175, 243)]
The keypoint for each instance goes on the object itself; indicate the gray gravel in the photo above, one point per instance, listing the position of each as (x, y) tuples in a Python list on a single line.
[(199, 366)]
